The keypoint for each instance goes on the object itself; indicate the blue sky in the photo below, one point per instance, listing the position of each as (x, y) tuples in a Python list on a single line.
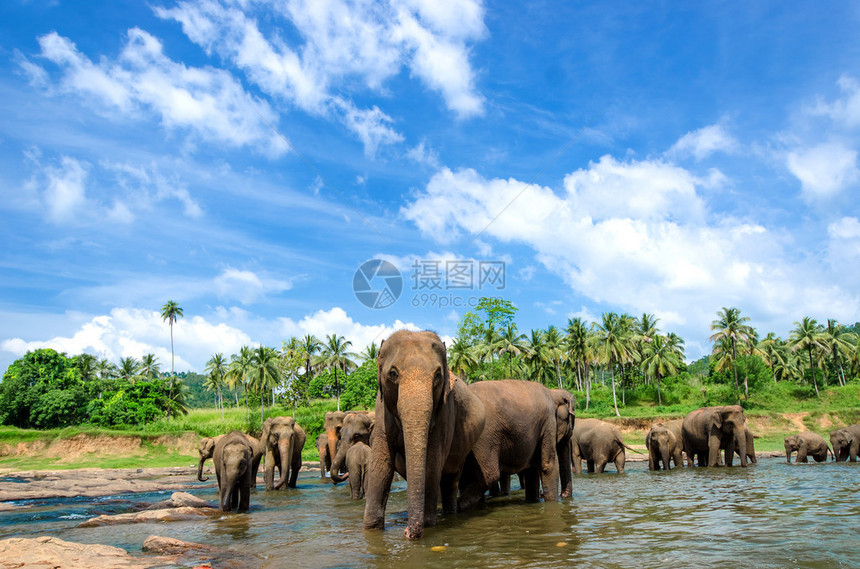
[(244, 158)]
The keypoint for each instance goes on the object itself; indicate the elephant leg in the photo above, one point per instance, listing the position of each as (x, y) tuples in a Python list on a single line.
[(433, 481), (296, 466), (564, 471), (380, 474), (549, 467), (600, 466), (472, 484), (590, 464), (730, 453), (678, 458), (714, 451), (652, 464), (801, 454), (255, 469), (620, 459), (532, 480), (448, 487), (495, 489)]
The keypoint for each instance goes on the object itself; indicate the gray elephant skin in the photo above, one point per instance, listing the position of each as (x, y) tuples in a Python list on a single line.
[(597, 443), (846, 443), (206, 449), (321, 444), (332, 423), (520, 435), (428, 416), (806, 444), (565, 419), (233, 456), (356, 428), (357, 459), (707, 430), (665, 446), (282, 439)]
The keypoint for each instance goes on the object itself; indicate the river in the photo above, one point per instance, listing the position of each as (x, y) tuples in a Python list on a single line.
[(768, 515)]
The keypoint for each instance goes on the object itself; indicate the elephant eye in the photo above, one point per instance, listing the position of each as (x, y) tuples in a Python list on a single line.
[(392, 374), (437, 376)]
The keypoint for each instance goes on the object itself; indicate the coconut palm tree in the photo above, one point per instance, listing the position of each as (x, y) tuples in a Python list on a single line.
[(335, 355), (662, 361), (613, 340), (129, 368), (461, 359), (216, 370), (106, 369), (538, 356), (732, 326), (511, 343), (554, 344), (87, 365), (576, 341), (838, 342), (370, 353), (171, 312), (770, 351), (265, 375), (239, 371), (310, 347), (808, 335), (149, 366)]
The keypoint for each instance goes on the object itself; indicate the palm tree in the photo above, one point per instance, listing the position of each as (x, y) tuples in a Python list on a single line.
[(612, 344), (265, 374), (87, 365), (838, 341), (216, 369), (334, 356), (171, 312), (149, 366), (731, 325), (129, 368), (370, 353), (239, 371), (808, 335), (553, 340), (106, 369), (461, 359), (511, 343), (577, 348), (662, 361), (310, 346), (538, 355), (646, 330)]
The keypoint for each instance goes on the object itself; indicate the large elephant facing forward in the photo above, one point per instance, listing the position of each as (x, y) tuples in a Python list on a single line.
[(233, 457), (806, 444), (846, 443), (428, 416), (283, 440), (519, 436), (357, 428), (598, 443), (707, 430), (206, 449)]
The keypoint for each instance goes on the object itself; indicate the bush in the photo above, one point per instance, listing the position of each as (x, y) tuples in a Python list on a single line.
[(359, 390)]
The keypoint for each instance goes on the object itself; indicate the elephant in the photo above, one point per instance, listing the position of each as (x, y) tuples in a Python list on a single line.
[(664, 445), (206, 449), (598, 443), (520, 435), (707, 430), (233, 456), (565, 418), (426, 416), (846, 443), (332, 423), (325, 457), (357, 459), (283, 440), (357, 427), (806, 444)]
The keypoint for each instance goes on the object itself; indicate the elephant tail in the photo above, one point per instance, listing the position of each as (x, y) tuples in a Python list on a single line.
[(630, 448), (831, 452)]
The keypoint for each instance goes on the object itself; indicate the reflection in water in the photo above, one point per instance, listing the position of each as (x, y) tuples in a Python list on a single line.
[(769, 515)]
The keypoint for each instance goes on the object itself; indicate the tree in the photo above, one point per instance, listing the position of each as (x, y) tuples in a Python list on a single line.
[(149, 366), (370, 353), (335, 356), (461, 359), (265, 375), (239, 371), (511, 342), (498, 311), (310, 346), (838, 341), (553, 341), (216, 369), (612, 338), (662, 361), (730, 325), (290, 361), (537, 355), (771, 353), (129, 368), (576, 341), (171, 312), (808, 335)]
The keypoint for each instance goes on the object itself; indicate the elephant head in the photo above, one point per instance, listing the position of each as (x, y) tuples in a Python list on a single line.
[(233, 456), (732, 423), (660, 442), (840, 441), (414, 385), (205, 450), (332, 425), (356, 428), (565, 416), (279, 433), (792, 444)]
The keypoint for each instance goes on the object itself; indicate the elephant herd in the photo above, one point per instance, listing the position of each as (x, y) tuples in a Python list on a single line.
[(454, 442)]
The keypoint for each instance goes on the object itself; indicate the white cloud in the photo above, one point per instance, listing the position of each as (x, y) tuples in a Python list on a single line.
[(423, 155), (703, 142), (844, 111), (336, 321), (205, 101), (824, 170), (347, 46), (65, 192), (246, 286), (634, 235)]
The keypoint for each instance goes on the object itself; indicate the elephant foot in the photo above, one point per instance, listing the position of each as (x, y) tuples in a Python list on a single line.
[(413, 532)]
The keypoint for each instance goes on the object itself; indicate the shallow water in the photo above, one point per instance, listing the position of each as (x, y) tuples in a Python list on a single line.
[(768, 515)]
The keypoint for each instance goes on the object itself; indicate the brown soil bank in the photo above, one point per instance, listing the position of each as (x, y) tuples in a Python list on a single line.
[(72, 449), (762, 425)]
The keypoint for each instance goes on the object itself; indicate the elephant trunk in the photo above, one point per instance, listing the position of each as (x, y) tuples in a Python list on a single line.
[(338, 462), (415, 408), (665, 455), (200, 469), (332, 435), (741, 441), (284, 448)]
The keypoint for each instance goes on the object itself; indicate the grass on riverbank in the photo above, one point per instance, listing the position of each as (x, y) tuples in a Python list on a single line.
[(773, 411)]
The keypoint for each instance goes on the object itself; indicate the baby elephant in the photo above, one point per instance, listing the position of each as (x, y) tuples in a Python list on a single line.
[(357, 459), (846, 443), (234, 456), (806, 444), (664, 446), (598, 443)]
